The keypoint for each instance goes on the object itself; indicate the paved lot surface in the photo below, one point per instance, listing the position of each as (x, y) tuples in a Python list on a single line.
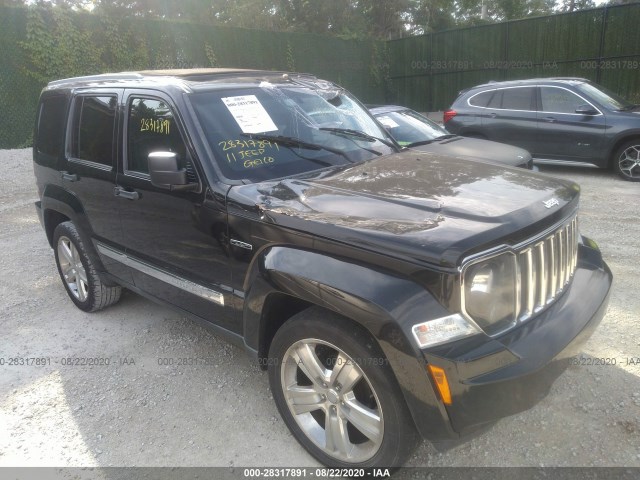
[(137, 412)]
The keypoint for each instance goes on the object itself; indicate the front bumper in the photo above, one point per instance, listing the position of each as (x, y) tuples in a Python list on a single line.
[(491, 378)]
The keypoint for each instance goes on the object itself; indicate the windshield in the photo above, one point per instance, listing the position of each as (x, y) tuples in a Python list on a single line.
[(272, 131), (409, 127), (604, 96)]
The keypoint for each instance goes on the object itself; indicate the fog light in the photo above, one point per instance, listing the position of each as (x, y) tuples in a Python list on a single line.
[(440, 378), (443, 330)]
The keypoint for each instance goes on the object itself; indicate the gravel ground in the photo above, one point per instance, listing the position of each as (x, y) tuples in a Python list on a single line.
[(137, 413)]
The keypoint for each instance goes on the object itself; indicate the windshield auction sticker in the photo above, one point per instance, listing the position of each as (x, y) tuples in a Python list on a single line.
[(249, 114), (388, 122)]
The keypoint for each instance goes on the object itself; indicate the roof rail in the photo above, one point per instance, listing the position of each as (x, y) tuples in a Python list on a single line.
[(97, 78)]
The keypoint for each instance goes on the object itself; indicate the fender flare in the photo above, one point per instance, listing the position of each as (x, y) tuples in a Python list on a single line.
[(349, 289), (57, 199)]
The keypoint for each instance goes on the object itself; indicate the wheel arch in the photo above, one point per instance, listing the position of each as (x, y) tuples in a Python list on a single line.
[(60, 205), (284, 281), (618, 142)]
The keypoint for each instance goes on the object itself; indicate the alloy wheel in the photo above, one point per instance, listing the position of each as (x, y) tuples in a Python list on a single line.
[(332, 400), (72, 269), (629, 161)]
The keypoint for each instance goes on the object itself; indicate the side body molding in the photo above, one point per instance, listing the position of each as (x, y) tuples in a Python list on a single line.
[(384, 304)]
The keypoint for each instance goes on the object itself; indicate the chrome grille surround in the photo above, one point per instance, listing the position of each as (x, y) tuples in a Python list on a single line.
[(545, 265)]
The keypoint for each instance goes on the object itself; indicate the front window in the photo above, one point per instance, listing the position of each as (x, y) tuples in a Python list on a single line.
[(152, 128), (409, 127), (277, 130), (605, 97), (559, 100)]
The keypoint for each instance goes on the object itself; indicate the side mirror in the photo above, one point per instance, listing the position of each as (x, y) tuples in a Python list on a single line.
[(586, 110), (164, 172)]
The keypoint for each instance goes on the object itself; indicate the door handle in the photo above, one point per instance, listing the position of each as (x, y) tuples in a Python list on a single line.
[(122, 193), (549, 119), (70, 177), (493, 115)]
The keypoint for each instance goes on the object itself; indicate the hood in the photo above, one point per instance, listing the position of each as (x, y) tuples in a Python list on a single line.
[(418, 206), (475, 148)]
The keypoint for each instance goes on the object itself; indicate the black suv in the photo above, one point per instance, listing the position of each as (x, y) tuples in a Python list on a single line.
[(390, 295), (558, 120)]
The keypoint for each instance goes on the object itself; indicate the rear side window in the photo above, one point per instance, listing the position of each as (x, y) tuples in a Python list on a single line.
[(93, 129), (51, 122), (517, 98), (481, 99), (152, 128)]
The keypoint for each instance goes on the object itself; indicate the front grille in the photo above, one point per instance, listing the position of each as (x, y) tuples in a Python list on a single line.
[(546, 267)]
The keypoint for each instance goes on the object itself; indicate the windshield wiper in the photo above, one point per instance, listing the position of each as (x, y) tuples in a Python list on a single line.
[(291, 142), (427, 142), (420, 143), (627, 108), (358, 133), (445, 136)]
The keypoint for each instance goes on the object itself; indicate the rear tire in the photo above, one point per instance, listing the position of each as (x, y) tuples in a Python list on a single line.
[(626, 160), (337, 392), (78, 274)]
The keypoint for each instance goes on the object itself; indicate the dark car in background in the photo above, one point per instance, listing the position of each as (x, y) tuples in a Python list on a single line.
[(569, 121), (413, 130)]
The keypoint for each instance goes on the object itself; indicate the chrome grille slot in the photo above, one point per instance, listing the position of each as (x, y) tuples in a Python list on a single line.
[(546, 268)]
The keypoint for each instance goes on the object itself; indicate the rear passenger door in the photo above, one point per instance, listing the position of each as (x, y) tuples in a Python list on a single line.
[(91, 166), (174, 240), (510, 117)]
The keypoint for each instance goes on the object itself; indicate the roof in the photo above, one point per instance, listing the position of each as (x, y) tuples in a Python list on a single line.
[(186, 79), (529, 81)]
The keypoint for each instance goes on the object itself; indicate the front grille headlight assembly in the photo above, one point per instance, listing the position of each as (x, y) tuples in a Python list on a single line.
[(490, 292)]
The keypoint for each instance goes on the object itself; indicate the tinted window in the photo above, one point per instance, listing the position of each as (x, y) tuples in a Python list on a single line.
[(496, 99), (152, 128), (51, 124), (559, 100), (517, 98), (93, 129), (481, 99)]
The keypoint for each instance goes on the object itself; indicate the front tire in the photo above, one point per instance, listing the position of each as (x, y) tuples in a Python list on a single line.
[(337, 393), (78, 274), (626, 161)]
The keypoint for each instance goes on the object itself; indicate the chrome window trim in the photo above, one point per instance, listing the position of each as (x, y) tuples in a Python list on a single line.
[(533, 111), (163, 276), (577, 95)]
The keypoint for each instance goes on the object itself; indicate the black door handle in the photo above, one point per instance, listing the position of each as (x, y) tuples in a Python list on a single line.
[(122, 193), (70, 177), (549, 119)]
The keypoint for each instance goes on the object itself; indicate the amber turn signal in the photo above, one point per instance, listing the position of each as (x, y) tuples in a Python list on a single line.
[(441, 382)]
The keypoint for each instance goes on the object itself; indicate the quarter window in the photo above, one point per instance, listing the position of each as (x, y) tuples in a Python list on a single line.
[(517, 98), (152, 128), (559, 100), (481, 99), (93, 129), (51, 124)]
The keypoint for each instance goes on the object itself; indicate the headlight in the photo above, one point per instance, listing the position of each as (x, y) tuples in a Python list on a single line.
[(489, 292)]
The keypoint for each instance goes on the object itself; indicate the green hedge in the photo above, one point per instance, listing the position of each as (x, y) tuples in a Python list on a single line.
[(40, 45), (424, 72)]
